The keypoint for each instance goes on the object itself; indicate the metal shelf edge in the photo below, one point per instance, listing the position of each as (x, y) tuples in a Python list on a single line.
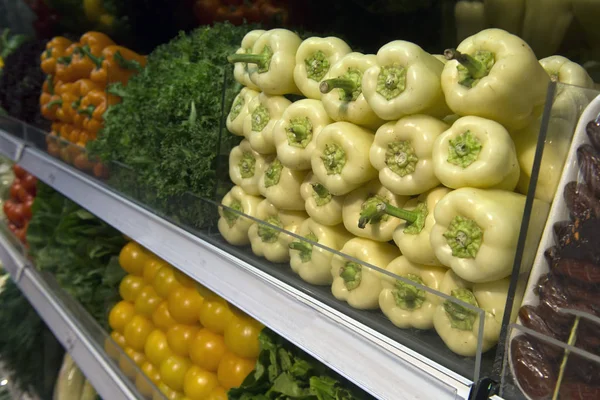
[(380, 366), (108, 382)]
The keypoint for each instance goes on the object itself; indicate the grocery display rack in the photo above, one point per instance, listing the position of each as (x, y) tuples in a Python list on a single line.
[(368, 358), (74, 328)]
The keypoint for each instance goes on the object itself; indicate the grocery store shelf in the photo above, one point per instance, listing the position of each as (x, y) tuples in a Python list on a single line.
[(379, 365), (66, 326)]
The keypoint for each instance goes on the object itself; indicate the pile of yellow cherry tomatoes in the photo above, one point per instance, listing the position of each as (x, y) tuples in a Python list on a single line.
[(187, 340)]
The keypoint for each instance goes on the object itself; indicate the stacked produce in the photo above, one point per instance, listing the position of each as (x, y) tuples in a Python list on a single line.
[(75, 96), (269, 12), (72, 383), (184, 338), (403, 146), (542, 369), (18, 208), (77, 248)]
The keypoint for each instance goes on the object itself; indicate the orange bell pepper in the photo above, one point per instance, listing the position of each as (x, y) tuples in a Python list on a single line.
[(47, 91), (118, 65), (96, 102), (64, 68), (92, 46), (48, 109), (55, 49), (80, 89)]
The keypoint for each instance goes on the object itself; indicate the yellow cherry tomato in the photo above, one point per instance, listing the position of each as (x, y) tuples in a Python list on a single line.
[(146, 380), (137, 331), (120, 315), (218, 393), (162, 317), (173, 370), (164, 281), (151, 267), (180, 337), (198, 383), (157, 347), (169, 393), (129, 361), (147, 302), (241, 336), (207, 350), (184, 279), (132, 258), (184, 305), (233, 370), (130, 287), (215, 315), (112, 346)]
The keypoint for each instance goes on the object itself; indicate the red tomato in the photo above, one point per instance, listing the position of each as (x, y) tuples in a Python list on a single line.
[(29, 183), (23, 194), (15, 189), (27, 208), (14, 212), (19, 171), (21, 234)]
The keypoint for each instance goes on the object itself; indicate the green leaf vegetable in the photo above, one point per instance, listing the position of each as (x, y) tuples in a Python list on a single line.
[(167, 126), (78, 249), (285, 372)]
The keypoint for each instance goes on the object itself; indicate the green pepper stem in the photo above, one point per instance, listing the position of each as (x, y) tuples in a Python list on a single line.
[(96, 60), (126, 64), (376, 209), (300, 131), (300, 246), (259, 59), (475, 67), (320, 190), (50, 80), (346, 84), (56, 102), (89, 110)]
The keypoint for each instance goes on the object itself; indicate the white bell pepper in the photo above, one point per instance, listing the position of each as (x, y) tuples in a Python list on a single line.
[(404, 81), (505, 14), (241, 71), (354, 283), (545, 24), (412, 238), (314, 58), (239, 111), (406, 305), (563, 70), (340, 160), (476, 232), (269, 242), (495, 75), (272, 61), (281, 186), (343, 97), (263, 113), (323, 207), (402, 153), (469, 18), (313, 263), (233, 226), (295, 134), (476, 152), (246, 167), (458, 326), (379, 228)]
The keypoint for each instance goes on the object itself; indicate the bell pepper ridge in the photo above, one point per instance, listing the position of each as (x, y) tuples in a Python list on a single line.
[(461, 317)]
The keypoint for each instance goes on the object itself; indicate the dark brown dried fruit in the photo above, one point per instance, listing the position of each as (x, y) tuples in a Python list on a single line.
[(581, 201), (583, 242), (589, 165), (552, 254), (579, 391), (535, 373), (531, 319), (593, 131), (563, 232), (580, 270)]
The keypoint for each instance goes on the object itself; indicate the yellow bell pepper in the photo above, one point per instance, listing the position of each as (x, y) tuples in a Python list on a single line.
[(239, 111), (241, 71), (458, 326), (354, 283), (263, 113), (404, 81), (246, 167), (412, 238), (295, 134), (269, 242), (272, 61), (281, 186), (343, 97), (323, 207), (234, 227), (314, 58), (495, 75), (380, 228), (340, 160), (476, 152), (313, 263), (563, 70), (406, 305), (476, 232), (402, 152)]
